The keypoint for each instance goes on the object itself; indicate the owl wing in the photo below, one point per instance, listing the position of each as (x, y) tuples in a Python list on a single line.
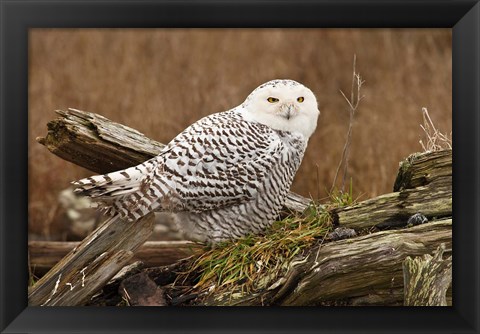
[(221, 161), (218, 161)]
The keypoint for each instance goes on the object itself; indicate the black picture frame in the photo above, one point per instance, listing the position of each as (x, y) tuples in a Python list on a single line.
[(18, 16)]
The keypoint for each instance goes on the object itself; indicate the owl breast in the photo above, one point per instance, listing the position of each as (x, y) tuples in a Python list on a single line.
[(254, 215)]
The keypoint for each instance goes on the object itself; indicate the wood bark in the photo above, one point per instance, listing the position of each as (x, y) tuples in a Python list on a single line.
[(433, 200), (427, 279), (423, 185), (86, 268), (355, 271), (420, 169), (45, 254)]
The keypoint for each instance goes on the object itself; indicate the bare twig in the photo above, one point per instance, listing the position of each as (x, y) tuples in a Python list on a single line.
[(353, 102)]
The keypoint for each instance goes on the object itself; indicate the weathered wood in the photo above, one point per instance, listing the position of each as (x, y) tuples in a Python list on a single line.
[(420, 169), (350, 270), (109, 295), (115, 240), (45, 254), (96, 143), (394, 209), (427, 279), (84, 283), (423, 184)]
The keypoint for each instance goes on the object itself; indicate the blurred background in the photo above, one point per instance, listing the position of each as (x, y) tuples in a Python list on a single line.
[(159, 81)]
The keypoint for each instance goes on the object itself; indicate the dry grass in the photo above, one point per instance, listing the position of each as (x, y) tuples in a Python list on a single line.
[(161, 80), (434, 139)]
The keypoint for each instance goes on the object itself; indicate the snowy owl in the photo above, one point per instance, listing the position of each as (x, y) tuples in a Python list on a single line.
[(226, 175)]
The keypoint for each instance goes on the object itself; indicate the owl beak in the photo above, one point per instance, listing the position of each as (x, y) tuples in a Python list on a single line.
[(287, 110)]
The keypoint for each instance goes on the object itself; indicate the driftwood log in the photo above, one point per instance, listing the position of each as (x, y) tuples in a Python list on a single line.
[(46, 254), (85, 269), (365, 270), (423, 184)]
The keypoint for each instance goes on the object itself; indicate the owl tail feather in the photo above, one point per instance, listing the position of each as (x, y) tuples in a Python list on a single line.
[(132, 192), (110, 186)]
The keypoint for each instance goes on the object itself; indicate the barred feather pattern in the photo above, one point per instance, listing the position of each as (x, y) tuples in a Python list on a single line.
[(225, 176)]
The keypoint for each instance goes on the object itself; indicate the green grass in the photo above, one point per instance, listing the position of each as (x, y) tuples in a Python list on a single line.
[(32, 280), (254, 262), (340, 198)]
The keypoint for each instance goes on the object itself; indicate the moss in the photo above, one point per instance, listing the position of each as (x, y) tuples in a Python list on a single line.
[(404, 175)]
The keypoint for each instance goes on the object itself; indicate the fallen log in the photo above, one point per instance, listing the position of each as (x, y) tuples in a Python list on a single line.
[(393, 210), (420, 169), (86, 268), (423, 184), (367, 270), (45, 254)]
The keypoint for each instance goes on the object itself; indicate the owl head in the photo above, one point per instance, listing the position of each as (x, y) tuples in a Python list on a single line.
[(283, 105)]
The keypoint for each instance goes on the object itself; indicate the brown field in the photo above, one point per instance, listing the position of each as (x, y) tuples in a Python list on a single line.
[(161, 80)]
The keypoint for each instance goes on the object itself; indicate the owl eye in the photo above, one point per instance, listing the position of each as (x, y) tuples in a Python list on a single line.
[(300, 99), (272, 99)]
